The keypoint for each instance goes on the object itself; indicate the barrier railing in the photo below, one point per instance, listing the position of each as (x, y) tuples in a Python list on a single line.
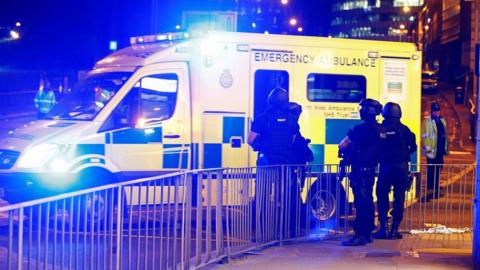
[(441, 196), (190, 219)]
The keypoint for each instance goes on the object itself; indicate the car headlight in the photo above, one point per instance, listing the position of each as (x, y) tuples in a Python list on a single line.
[(38, 155)]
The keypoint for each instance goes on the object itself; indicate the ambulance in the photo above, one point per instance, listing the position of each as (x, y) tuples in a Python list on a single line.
[(181, 101)]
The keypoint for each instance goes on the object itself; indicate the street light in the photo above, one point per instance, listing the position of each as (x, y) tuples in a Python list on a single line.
[(402, 26), (293, 21), (284, 2), (14, 34), (18, 24), (300, 29), (406, 9)]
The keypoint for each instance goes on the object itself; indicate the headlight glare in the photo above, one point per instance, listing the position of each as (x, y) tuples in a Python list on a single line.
[(38, 155)]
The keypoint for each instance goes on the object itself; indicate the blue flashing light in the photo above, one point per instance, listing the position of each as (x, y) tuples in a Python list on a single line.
[(113, 46)]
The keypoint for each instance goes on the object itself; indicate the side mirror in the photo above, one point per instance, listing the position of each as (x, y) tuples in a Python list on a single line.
[(140, 123)]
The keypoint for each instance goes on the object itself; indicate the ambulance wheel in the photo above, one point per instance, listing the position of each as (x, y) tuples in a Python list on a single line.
[(323, 203), (96, 210)]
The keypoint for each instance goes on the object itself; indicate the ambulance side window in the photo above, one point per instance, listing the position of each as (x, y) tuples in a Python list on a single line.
[(336, 87), (158, 96), (153, 98)]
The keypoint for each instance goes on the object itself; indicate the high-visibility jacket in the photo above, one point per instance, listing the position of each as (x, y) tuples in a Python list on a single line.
[(44, 101), (429, 137)]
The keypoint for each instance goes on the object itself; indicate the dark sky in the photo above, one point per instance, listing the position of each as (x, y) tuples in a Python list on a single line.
[(73, 34)]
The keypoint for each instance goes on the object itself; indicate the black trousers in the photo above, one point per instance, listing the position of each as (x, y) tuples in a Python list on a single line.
[(434, 170), (361, 181), (396, 176), (293, 205)]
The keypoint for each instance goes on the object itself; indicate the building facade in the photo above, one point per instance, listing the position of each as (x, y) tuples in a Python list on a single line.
[(391, 20), (445, 34)]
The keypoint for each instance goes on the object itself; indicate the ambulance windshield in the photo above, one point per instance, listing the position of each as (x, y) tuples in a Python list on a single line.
[(89, 96)]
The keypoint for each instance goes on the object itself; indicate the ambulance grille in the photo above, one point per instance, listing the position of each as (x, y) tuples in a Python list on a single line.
[(8, 159)]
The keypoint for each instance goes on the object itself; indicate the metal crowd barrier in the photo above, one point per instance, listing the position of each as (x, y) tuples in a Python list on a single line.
[(187, 220), (448, 202)]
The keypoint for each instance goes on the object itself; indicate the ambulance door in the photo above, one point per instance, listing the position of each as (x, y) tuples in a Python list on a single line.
[(264, 81), (150, 130)]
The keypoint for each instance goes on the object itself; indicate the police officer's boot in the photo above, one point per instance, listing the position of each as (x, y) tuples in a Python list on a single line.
[(369, 238), (356, 240), (394, 234), (382, 232)]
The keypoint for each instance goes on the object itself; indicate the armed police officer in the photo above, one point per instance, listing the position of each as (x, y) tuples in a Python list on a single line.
[(362, 145), (400, 142), (273, 131), (272, 134)]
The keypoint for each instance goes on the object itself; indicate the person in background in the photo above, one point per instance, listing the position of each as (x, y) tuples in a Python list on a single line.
[(44, 99), (435, 147), (473, 120), (103, 94)]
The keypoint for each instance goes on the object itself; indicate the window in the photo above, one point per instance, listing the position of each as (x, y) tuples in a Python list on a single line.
[(158, 96), (89, 96), (336, 88), (152, 99)]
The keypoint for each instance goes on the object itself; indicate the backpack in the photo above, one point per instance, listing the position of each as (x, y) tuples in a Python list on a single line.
[(301, 152)]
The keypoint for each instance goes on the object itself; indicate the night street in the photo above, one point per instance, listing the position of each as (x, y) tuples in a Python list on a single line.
[(239, 134)]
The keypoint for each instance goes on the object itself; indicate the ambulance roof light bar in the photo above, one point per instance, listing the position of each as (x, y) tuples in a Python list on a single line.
[(162, 37)]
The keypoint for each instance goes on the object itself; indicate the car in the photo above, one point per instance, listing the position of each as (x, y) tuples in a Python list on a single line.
[(429, 81)]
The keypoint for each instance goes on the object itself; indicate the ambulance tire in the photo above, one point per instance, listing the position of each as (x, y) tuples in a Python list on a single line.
[(325, 202), (97, 209)]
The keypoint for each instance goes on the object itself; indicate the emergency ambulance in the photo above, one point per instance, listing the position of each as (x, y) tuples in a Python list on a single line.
[(180, 101)]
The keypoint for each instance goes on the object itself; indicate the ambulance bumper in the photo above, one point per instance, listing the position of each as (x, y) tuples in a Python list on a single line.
[(21, 187)]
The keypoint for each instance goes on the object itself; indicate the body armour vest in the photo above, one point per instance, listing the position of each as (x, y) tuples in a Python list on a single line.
[(278, 140)]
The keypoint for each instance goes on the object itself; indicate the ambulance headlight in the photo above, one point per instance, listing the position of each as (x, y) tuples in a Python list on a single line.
[(38, 156), (58, 165)]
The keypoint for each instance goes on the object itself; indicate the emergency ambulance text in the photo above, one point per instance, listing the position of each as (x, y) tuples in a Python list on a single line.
[(287, 57)]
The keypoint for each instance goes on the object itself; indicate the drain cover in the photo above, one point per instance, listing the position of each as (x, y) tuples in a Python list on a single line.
[(383, 254)]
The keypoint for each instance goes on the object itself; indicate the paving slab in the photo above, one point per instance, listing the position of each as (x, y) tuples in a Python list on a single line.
[(412, 252)]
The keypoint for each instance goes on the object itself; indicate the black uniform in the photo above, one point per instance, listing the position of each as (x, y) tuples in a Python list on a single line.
[(364, 155), (277, 129), (396, 150)]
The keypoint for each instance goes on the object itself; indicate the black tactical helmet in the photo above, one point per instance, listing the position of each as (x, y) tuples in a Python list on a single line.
[(435, 107), (392, 110), (369, 107), (278, 97), (295, 109)]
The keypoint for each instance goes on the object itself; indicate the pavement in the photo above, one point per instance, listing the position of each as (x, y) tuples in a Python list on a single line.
[(463, 117), (412, 252)]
